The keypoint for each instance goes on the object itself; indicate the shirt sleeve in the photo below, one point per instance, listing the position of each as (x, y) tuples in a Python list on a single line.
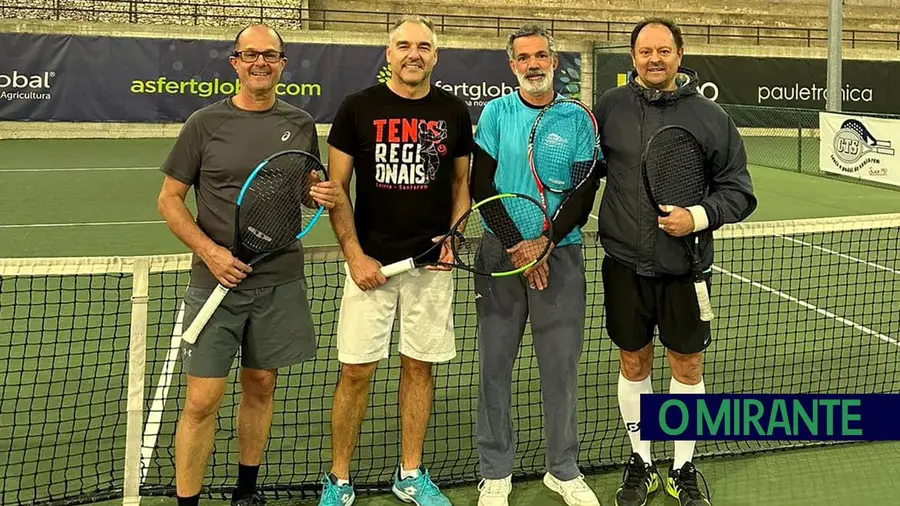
[(186, 156), (466, 139), (343, 134)]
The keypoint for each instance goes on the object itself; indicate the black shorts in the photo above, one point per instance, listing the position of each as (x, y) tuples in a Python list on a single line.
[(636, 304)]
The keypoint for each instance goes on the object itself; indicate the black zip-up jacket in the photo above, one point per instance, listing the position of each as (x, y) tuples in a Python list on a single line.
[(628, 229)]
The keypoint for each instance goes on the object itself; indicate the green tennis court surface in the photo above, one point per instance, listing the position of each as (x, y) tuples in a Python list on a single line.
[(798, 311)]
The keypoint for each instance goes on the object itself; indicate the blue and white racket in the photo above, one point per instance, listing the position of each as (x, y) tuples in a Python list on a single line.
[(274, 210)]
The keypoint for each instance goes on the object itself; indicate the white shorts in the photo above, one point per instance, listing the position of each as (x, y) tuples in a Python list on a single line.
[(425, 300)]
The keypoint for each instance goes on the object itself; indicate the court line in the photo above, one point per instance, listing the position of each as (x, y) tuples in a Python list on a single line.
[(160, 395), (842, 255), (82, 224), (80, 169), (807, 305)]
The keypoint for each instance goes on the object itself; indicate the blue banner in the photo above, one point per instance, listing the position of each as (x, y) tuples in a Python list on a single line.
[(748, 417), (152, 80)]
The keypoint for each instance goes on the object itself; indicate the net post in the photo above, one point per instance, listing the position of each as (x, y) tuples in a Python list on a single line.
[(137, 359)]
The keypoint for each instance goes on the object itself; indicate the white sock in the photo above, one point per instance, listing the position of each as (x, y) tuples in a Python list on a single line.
[(684, 450), (630, 408), (404, 474), (341, 482)]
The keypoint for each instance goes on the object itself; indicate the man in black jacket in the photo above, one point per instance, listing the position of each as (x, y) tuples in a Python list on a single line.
[(645, 272)]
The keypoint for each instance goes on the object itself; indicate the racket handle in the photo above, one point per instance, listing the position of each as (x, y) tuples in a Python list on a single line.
[(706, 312), (206, 312), (398, 267)]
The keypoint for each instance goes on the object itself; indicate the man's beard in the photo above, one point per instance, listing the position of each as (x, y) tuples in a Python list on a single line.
[(535, 88)]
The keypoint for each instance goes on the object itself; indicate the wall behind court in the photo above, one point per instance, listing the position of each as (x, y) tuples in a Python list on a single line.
[(580, 49)]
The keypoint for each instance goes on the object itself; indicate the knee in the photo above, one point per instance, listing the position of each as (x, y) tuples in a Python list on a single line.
[(258, 385), (357, 375), (686, 368), (635, 365), (201, 405), (415, 368)]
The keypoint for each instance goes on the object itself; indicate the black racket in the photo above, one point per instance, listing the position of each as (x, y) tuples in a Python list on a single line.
[(674, 171), (518, 237), (274, 210)]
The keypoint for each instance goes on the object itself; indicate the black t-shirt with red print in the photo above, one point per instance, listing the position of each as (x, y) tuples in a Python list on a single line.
[(403, 151)]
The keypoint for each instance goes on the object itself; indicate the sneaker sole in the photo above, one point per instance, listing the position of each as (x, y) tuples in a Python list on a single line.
[(548, 482), (403, 497)]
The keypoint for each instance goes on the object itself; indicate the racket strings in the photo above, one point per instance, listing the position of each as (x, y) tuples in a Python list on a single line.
[(676, 169), (518, 235), (558, 142), (277, 202)]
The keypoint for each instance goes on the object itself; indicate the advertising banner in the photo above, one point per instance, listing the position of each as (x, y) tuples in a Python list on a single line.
[(150, 80), (860, 146), (775, 82)]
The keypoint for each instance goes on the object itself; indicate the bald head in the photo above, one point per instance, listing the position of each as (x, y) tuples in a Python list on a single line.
[(257, 34)]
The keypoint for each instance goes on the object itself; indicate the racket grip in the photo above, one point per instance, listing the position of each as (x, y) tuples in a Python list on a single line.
[(206, 312), (706, 312), (398, 267)]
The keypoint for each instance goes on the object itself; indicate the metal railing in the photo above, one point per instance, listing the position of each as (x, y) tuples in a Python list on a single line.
[(224, 14)]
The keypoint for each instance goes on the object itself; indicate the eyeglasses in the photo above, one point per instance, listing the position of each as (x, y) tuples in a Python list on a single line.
[(252, 56)]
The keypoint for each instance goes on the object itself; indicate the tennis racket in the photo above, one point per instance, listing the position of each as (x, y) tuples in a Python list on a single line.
[(563, 147), (673, 168), (274, 210), (518, 237)]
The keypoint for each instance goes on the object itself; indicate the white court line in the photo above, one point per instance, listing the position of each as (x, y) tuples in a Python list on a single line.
[(807, 305), (80, 169), (842, 255), (88, 224), (154, 417)]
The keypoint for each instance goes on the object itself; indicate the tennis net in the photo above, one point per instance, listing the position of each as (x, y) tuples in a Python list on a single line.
[(92, 387)]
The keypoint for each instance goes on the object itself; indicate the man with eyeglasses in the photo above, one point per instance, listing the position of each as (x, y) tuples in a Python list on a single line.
[(266, 314)]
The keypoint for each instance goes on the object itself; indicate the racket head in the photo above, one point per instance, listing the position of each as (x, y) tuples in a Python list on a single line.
[(274, 207), (495, 225), (674, 169), (564, 145)]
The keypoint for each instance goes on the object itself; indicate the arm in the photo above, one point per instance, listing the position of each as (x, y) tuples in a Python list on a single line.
[(575, 210), (461, 198), (364, 270), (228, 270), (340, 169), (731, 198)]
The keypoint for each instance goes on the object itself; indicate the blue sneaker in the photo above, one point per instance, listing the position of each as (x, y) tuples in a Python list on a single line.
[(420, 490), (334, 494)]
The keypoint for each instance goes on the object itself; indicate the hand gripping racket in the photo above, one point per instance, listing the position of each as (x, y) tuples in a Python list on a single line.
[(274, 210), (518, 237), (673, 168)]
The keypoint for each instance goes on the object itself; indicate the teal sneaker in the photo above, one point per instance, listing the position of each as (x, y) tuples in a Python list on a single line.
[(420, 490), (334, 494)]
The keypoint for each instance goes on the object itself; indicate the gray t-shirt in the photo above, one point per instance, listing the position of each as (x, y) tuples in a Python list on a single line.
[(218, 147)]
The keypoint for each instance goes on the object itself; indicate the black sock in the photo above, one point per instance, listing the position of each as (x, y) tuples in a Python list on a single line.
[(189, 501), (246, 480)]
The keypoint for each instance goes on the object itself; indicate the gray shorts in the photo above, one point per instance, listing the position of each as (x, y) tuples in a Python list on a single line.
[(271, 326)]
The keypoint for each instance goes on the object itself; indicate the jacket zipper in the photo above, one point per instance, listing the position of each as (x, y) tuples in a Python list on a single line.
[(640, 187)]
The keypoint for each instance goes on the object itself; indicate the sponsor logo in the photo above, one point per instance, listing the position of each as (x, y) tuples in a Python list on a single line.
[(796, 92), (19, 86), (285, 136), (855, 147), (204, 89)]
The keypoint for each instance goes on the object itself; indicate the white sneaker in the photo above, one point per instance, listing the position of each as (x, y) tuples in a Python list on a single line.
[(495, 492), (575, 491)]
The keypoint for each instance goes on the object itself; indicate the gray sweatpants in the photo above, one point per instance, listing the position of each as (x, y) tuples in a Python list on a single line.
[(557, 321)]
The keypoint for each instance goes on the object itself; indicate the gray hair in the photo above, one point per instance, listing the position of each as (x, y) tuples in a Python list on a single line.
[(414, 18), (527, 31)]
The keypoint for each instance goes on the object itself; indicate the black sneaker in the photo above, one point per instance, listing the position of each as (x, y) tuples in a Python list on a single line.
[(638, 481), (682, 485), (254, 499)]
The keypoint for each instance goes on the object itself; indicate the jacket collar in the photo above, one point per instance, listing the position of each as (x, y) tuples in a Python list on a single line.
[(687, 82)]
